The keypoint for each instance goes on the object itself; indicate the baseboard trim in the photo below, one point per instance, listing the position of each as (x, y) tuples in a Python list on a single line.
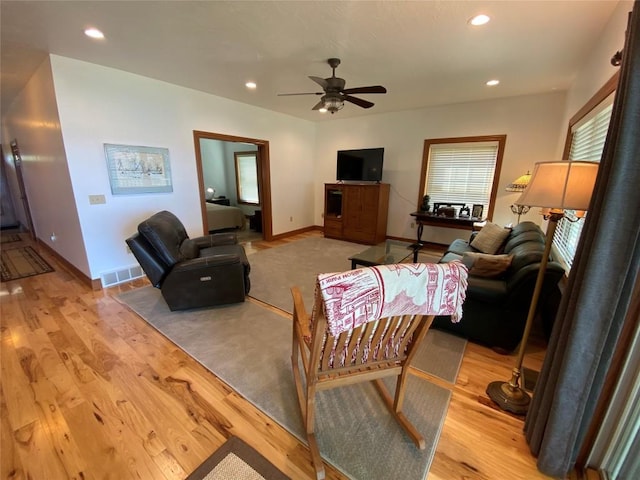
[(93, 284), (291, 233)]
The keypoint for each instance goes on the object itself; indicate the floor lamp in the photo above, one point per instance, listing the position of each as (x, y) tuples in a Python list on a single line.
[(519, 185), (556, 187)]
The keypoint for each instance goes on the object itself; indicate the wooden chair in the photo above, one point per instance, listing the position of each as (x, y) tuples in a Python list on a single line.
[(367, 324)]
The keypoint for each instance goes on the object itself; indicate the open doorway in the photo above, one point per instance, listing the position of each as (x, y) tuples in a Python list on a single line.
[(223, 188)]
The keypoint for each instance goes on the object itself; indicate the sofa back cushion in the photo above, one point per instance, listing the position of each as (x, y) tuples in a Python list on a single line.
[(490, 238), (530, 236), (165, 233), (526, 254)]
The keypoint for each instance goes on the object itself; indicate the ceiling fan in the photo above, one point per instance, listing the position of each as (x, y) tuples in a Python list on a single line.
[(334, 94)]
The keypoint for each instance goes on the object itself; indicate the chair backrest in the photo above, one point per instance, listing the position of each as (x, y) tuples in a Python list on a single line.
[(150, 262), (165, 233), (375, 315)]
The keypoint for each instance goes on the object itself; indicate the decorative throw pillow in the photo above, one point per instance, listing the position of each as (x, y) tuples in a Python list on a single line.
[(490, 238), (485, 265)]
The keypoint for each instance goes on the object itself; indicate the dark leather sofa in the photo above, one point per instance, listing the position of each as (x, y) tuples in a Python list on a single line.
[(191, 273), (496, 309)]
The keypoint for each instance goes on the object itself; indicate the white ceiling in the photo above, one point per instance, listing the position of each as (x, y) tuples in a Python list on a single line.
[(424, 52)]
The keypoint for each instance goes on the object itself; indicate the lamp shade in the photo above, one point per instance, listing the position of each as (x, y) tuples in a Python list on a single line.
[(561, 185), (519, 184)]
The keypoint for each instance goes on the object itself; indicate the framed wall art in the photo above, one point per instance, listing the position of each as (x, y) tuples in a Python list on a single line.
[(134, 170)]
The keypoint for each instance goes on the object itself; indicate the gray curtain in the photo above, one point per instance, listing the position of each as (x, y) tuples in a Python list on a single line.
[(600, 285)]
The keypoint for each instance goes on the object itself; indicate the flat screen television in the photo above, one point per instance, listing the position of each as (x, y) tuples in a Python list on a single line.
[(364, 165)]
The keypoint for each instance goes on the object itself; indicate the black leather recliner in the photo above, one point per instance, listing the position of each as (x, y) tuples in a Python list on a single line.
[(191, 273)]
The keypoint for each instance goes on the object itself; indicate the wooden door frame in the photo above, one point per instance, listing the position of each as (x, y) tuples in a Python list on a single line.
[(17, 161), (264, 178)]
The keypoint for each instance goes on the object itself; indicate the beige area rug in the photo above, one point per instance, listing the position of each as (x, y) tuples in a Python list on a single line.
[(275, 270), (235, 460), (22, 262), (249, 347)]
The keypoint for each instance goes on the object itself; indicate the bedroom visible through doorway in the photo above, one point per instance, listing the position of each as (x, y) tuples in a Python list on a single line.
[(223, 186)]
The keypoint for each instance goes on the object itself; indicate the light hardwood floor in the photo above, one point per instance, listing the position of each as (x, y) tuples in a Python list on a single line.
[(90, 390)]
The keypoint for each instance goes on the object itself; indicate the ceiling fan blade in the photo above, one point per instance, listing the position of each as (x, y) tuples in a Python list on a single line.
[(372, 89), (290, 94), (320, 81), (318, 106), (358, 101)]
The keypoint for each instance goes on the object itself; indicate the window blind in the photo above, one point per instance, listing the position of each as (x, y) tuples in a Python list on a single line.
[(247, 172), (462, 172), (587, 143)]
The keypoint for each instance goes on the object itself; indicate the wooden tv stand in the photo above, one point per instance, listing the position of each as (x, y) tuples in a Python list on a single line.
[(356, 212)]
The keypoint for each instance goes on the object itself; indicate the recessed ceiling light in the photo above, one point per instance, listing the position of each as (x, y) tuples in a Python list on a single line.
[(93, 33), (251, 85), (493, 83), (481, 19)]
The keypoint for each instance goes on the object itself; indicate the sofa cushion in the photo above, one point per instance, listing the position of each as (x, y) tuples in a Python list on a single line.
[(485, 265), (490, 238), (459, 247)]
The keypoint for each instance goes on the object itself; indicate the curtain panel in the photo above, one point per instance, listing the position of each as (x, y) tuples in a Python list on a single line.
[(600, 286)]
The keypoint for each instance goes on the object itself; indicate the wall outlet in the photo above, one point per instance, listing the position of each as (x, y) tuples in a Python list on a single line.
[(413, 225), (291, 219), (53, 237), (97, 199)]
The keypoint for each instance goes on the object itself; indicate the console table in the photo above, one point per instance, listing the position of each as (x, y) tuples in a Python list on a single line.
[(427, 218)]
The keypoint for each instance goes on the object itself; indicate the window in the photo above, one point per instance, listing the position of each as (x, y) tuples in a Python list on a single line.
[(247, 177), (585, 141), (462, 170)]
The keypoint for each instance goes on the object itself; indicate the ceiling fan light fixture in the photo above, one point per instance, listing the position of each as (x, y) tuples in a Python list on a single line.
[(333, 103)]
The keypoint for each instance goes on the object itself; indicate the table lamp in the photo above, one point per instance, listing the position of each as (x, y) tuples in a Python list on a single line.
[(556, 187), (519, 185)]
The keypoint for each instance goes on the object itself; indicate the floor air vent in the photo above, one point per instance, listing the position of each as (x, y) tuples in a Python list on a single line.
[(123, 275)]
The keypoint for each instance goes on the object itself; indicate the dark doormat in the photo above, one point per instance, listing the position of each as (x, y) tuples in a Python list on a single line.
[(236, 460), (22, 262), (9, 238)]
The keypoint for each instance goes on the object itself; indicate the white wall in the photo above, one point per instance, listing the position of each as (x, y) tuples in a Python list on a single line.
[(64, 158), (100, 105), (531, 123), (213, 166), (33, 121)]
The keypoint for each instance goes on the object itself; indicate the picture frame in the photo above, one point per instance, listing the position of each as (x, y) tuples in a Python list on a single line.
[(138, 170), (476, 211)]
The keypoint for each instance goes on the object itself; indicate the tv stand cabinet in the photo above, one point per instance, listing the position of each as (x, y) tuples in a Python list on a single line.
[(356, 212)]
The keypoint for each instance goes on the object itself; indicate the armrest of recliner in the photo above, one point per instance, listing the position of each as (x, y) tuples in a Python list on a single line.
[(206, 263), (215, 239)]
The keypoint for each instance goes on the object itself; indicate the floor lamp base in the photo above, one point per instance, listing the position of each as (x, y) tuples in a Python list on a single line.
[(509, 398)]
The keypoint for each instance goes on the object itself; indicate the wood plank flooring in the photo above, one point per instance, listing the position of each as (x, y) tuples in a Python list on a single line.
[(90, 391)]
